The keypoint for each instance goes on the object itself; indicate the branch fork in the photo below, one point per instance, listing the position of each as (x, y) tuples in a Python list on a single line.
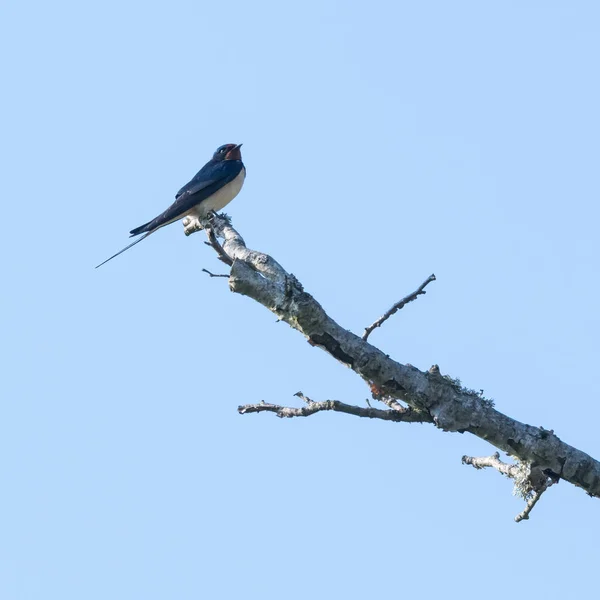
[(530, 483)]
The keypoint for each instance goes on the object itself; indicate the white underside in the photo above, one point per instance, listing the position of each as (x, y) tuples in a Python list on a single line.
[(219, 199)]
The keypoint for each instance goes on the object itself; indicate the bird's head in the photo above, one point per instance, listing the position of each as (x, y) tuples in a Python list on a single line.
[(228, 152)]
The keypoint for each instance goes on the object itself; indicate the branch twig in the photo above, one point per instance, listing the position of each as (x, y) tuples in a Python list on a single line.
[(192, 224), (214, 243), (420, 290), (481, 462), (529, 484), (392, 403), (214, 274), (535, 496), (311, 407)]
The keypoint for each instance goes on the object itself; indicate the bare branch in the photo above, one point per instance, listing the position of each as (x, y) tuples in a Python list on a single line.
[(530, 483), (214, 274), (312, 407), (303, 397), (481, 462), (434, 397), (524, 514), (535, 496), (214, 243), (420, 290), (392, 403), (192, 224)]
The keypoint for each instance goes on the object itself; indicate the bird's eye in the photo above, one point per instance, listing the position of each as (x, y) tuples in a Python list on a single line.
[(222, 150)]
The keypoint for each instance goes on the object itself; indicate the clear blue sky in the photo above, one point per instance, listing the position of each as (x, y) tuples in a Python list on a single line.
[(384, 141)]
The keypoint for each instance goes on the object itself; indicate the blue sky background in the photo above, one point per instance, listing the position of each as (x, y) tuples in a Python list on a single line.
[(384, 141)]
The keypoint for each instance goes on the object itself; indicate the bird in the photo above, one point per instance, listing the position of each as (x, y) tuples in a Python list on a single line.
[(214, 186)]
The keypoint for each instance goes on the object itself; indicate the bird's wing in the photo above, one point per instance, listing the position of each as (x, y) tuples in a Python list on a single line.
[(202, 186), (207, 174)]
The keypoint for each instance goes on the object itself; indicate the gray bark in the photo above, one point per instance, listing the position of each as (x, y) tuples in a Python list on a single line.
[(429, 396)]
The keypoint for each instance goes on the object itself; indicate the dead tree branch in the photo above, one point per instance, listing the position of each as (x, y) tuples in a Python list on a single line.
[(407, 416), (436, 398), (215, 274), (530, 483), (481, 462), (420, 290), (535, 496)]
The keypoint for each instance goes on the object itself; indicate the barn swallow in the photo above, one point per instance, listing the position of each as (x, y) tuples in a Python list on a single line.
[(215, 185)]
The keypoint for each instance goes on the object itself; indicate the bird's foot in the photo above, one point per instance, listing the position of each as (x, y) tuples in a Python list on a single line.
[(212, 215), (191, 224)]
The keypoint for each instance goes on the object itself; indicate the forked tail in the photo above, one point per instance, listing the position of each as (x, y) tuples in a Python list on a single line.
[(126, 248)]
